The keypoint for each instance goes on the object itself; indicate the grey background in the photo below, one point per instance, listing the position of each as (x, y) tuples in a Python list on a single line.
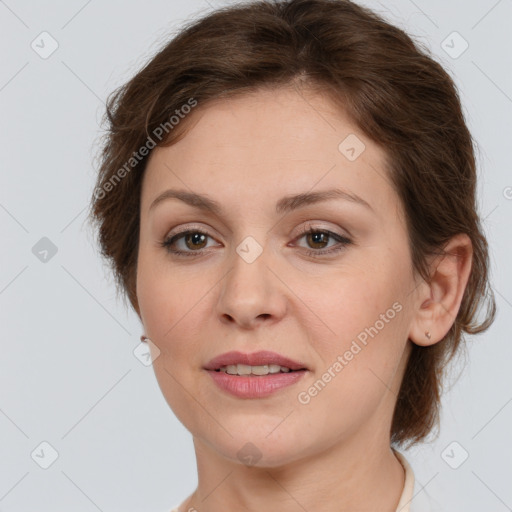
[(68, 373)]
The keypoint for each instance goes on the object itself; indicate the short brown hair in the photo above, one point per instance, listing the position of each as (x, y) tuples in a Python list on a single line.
[(391, 88)]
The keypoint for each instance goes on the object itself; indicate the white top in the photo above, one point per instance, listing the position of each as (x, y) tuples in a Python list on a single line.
[(413, 499)]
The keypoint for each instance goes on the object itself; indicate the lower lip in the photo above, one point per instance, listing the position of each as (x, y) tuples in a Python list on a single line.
[(255, 386)]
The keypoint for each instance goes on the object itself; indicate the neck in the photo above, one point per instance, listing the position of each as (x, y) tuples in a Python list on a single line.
[(356, 474)]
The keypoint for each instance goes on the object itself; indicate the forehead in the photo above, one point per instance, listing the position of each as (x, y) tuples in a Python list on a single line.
[(266, 144)]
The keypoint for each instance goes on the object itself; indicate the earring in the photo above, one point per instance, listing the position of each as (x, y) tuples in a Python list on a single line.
[(143, 338), (427, 334)]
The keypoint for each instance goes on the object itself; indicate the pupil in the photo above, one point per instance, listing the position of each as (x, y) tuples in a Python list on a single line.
[(315, 237), (196, 237)]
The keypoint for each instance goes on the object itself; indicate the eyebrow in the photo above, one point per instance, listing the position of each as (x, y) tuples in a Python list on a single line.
[(284, 205)]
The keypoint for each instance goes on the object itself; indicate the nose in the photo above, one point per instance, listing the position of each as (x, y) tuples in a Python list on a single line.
[(251, 293)]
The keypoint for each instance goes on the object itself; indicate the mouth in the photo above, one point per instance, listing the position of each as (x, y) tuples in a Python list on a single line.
[(256, 375), (244, 370), (255, 364)]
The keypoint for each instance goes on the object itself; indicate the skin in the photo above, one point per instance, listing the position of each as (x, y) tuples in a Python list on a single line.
[(332, 454)]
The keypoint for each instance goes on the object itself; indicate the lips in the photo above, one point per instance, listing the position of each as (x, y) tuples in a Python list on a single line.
[(254, 359)]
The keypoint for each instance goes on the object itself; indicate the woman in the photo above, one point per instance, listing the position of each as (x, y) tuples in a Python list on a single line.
[(287, 197)]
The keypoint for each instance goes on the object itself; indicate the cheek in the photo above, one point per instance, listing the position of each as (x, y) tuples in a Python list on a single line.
[(366, 328), (152, 302), (173, 308), (162, 293), (353, 300), (359, 367)]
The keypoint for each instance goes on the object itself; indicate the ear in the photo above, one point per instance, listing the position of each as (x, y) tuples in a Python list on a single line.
[(438, 302)]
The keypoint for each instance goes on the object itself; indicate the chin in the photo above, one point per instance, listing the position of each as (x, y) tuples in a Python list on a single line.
[(255, 448)]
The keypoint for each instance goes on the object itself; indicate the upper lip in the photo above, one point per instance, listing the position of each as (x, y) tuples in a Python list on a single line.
[(254, 359)]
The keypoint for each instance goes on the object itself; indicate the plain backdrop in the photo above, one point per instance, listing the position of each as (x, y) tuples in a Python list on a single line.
[(74, 396)]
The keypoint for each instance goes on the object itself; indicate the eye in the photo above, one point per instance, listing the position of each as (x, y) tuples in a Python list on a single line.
[(193, 239), (318, 238)]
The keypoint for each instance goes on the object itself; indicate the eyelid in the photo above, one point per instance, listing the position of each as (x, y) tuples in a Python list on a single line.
[(191, 227), (320, 225)]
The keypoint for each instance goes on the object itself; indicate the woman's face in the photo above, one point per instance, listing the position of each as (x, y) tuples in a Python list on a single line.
[(342, 307)]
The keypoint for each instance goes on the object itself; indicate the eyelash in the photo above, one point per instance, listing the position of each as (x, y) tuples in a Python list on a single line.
[(342, 240)]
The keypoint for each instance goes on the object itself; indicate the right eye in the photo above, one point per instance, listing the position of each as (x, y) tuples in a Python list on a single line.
[(193, 239)]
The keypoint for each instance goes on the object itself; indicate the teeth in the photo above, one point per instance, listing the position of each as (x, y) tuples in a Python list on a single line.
[(245, 369)]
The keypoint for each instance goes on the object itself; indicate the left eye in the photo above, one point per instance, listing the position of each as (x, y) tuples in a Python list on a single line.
[(320, 236)]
